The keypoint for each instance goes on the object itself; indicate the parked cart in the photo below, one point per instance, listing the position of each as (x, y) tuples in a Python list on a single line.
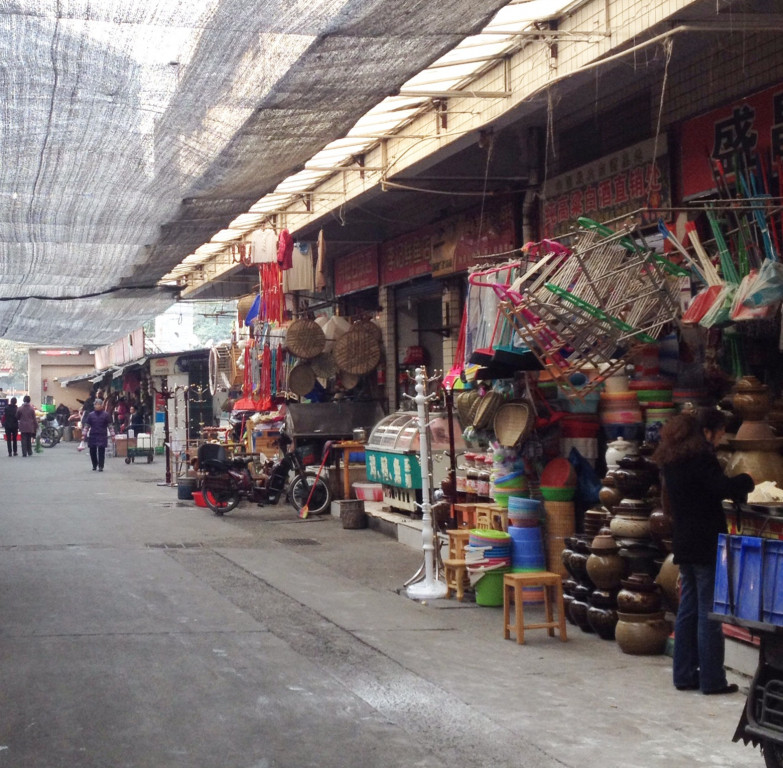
[(142, 448)]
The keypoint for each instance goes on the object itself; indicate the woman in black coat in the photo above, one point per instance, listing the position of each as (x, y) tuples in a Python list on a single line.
[(11, 424), (694, 489)]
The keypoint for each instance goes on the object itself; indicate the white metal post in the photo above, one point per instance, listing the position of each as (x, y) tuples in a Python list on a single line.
[(429, 588)]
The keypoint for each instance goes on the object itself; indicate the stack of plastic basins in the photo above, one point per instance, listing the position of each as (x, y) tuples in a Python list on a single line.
[(527, 550), (488, 556)]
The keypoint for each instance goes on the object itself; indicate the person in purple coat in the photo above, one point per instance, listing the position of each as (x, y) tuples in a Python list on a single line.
[(28, 425), (98, 424)]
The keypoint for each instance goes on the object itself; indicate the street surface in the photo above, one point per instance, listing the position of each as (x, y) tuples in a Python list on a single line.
[(137, 631)]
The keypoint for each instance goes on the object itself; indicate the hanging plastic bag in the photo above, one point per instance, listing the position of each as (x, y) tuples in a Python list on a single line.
[(767, 288), (82, 446), (701, 304), (720, 312), (739, 309)]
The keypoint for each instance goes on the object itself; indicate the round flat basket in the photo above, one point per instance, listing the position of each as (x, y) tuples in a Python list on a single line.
[(301, 380), (487, 407), (324, 366), (305, 338), (512, 422), (357, 352), (368, 326)]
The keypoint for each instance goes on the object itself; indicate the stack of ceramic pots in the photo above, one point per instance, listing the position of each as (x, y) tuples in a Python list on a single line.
[(578, 588), (594, 520), (636, 481), (605, 568), (755, 448), (641, 627)]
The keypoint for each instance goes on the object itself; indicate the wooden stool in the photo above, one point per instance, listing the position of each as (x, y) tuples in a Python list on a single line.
[(458, 540), (456, 573), (513, 584), (499, 517), (465, 515), (483, 517)]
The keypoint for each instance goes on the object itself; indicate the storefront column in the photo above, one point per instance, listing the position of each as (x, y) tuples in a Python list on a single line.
[(389, 331), (451, 314)]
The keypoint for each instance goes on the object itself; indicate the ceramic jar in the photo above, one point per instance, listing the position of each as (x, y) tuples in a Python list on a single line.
[(609, 495), (604, 566), (627, 526), (635, 475), (603, 621), (631, 600), (642, 634), (578, 611), (615, 451), (660, 525), (752, 399), (667, 579)]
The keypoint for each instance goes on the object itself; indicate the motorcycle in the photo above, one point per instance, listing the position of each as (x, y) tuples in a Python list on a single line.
[(226, 481)]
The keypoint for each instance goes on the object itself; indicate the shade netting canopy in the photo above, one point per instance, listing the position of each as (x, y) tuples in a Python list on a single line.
[(132, 130)]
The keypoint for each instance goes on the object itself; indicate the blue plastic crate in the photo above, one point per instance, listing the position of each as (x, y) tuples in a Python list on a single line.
[(773, 582), (746, 553)]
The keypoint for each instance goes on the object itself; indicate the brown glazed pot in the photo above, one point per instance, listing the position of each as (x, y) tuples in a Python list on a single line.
[(642, 634), (603, 621), (605, 570), (633, 601), (751, 400), (578, 613)]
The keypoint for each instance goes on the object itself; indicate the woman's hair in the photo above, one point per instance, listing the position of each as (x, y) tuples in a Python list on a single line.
[(681, 438), (711, 419), (26, 398)]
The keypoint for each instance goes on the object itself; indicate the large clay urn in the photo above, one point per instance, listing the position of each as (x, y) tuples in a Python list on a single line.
[(642, 634), (640, 594), (604, 566), (635, 475)]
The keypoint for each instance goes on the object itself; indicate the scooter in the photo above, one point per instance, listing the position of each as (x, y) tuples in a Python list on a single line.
[(224, 482)]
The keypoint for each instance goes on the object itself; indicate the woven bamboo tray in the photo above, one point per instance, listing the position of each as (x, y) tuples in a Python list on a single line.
[(512, 422), (305, 339), (358, 351), (301, 379)]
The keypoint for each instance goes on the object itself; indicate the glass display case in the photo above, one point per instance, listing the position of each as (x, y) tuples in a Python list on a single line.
[(392, 451)]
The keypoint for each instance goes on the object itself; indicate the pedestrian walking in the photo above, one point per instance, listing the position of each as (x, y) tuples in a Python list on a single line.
[(694, 487), (98, 424), (28, 425), (11, 424)]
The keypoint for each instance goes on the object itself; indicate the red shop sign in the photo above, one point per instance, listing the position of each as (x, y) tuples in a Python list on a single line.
[(356, 271), (406, 257), (487, 235), (750, 126), (614, 186)]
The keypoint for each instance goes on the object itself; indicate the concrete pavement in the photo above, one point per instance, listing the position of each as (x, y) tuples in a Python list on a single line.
[(136, 630)]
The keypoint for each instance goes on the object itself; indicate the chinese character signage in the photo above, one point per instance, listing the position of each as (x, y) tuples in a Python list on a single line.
[(406, 257), (356, 271), (746, 128), (450, 246), (608, 188), (398, 469)]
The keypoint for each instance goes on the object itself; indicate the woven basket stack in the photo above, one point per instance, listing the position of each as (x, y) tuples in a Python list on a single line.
[(560, 523)]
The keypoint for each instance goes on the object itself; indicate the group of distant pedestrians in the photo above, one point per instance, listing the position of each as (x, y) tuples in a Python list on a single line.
[(21, 420)]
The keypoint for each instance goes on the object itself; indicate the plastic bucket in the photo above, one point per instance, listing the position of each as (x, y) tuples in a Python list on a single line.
[(489, 589), (198, 497), (185, 488)]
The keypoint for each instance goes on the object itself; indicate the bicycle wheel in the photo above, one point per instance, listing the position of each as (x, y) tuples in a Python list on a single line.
[(300, 492), (219, 496), (49, 437)]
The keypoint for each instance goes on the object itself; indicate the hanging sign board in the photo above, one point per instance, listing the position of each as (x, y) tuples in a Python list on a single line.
[(356, 272), (750, 127), (163, 366), (609, 188)]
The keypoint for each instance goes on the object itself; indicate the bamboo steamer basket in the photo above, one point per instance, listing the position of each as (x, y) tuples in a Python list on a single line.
[(512, 422), (358, 351), (305, 339), (301, 379)]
